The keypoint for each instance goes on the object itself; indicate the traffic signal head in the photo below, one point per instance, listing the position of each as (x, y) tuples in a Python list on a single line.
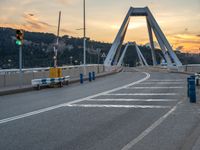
[(19, 37)]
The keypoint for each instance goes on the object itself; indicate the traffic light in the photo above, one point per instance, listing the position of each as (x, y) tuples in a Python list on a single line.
[(19, 36)]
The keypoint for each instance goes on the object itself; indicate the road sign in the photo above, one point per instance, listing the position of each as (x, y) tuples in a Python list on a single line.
[(103, 55)]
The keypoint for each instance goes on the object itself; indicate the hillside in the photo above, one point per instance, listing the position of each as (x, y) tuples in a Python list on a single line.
[(38, 50)]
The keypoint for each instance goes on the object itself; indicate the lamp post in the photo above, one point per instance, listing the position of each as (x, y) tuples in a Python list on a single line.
[(84, 35), (84, 38)]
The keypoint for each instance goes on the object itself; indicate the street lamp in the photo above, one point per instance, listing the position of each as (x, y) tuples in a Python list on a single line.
[(84, 35)]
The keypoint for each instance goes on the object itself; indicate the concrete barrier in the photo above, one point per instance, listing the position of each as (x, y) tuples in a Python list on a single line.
[(193, 68), (12, 78)]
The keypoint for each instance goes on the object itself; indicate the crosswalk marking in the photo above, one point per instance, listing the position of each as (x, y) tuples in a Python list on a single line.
[(167, 80), (142, 94), (157, 87), (134, 100), (152, 83), (117, 106)]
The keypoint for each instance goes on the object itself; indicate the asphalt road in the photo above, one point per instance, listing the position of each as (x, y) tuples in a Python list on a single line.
[(128, 110)]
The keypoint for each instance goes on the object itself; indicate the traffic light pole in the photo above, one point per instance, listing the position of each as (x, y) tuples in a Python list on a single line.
[(20, 65)]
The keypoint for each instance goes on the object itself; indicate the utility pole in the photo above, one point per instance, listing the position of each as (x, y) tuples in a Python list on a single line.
[(57, 42)]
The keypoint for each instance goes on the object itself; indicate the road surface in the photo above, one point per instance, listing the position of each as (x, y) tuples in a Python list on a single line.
[(125, 111)]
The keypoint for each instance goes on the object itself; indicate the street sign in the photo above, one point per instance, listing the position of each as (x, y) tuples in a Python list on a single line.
[(103, 55)]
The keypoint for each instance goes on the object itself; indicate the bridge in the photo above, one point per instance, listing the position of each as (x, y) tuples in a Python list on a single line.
[(125, 108)]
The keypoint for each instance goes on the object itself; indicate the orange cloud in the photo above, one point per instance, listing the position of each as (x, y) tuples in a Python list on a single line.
[(66, 1), (190, 42), (34, 23)]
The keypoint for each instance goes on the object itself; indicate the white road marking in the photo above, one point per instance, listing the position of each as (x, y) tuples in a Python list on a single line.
[(157, 87), (69, 103), (133, 100), (143, 94), (149, 129), (162, 83), (169, 80), (117, 106)]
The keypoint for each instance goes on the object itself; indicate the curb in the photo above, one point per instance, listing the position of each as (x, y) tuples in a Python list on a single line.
[(188, 73), (15, 91)]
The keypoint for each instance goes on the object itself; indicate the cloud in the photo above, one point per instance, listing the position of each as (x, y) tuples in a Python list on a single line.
[(34, 22), (64, 31), (63, 1), (156, 45), (198, 35), (180, 48), (66, 2)]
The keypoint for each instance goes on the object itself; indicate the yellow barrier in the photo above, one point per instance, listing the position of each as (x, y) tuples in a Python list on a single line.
[(55, 73)]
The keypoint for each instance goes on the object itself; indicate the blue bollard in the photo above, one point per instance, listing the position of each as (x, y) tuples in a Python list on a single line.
[(192, 90), (93, 76), (90, 76), (81, 78), (193, 76), (188, 91), (197, 82)]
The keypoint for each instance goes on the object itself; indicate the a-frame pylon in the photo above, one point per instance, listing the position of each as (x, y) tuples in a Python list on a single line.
[(142, 60), (115, 51)]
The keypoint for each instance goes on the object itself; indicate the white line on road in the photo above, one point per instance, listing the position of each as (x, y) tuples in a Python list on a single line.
[(143, 94), (149, 129), (69, 103), (157, 87), (162, 83), (117, 106), (133, 100), (178, 80)]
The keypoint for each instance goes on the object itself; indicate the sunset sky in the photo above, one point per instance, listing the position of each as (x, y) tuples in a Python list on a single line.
[(179, 19)]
